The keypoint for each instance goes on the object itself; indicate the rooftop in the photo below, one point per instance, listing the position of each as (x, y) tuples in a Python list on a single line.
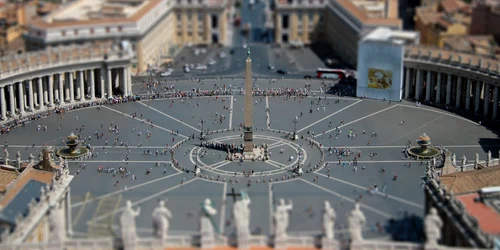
[(482, 44), (488, 217), (471, 181), (372, 12), (29, 174), (6, 177), (83, 10), (387, 35)]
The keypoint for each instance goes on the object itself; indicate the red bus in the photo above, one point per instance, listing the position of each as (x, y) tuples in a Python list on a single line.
[(331, 73)]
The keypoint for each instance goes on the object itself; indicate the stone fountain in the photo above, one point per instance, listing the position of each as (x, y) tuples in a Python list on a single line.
[(424, 150), (72, 150)]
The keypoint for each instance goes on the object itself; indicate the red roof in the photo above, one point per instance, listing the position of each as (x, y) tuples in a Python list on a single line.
[(487, 217)]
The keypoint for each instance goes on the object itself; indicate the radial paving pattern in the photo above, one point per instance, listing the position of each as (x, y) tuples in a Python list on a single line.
[(98, 197)]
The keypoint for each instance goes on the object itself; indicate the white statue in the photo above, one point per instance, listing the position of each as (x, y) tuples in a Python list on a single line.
[(6, 156), (356, 221), (207, 224), (281, 218), (56, 221), (128, 228), (18, 159), (161, 217), (241, 214), (433, 162), (432, 226), (32, 158), (477, 158), (329, 218), (489, 156), (464, 160), (454, 159)]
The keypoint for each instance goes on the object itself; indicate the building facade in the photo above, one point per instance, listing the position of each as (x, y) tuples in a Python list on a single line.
[(340, 23), (380, 63), (486, 18), (153, 28)]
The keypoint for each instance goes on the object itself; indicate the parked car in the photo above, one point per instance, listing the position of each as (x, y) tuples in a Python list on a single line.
[(270, 67), (281, 72)]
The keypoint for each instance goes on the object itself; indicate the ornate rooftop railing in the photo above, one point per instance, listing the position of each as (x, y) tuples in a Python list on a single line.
[(53, 57)]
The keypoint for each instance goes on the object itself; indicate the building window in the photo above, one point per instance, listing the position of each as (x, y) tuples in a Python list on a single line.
[(200, 18), (311, 17), (179, 17), (179, 33), (120, 28), (91, 30), (76, 32), (200, 1), (285, 22), (215, 21), (190, 33), (39, 33), (108, 29), (63, 33)]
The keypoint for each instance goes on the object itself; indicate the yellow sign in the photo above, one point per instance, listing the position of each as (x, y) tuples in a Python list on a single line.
[(379, 78)]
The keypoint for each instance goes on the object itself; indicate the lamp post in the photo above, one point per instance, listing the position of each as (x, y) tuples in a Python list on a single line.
[(202, 121), (295, 121)]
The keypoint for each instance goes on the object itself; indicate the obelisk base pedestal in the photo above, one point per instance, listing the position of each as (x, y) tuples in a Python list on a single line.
[(257, 154)]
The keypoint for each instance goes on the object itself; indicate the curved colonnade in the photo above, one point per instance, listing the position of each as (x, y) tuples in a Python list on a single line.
[(453, 80), (70, 75), (39, 81)]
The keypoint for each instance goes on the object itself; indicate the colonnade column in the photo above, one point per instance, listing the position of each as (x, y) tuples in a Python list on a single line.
[(125, 81), (103, 81), (486, 98), (418, 84), (407, 84), (477, 95), (11, 100), (40, 93), (61, 89), (4, 107), (428, 87), (92, 84), (110, 82), (82, 85), (30, 95), (20, 90), (467, 95), (495, 103), (51, 90), (438, 90), (71, 87), (459, 92), (448, 89), (129, 81)]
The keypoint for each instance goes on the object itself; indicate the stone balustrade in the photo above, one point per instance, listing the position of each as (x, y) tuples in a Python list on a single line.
[(54, 57)]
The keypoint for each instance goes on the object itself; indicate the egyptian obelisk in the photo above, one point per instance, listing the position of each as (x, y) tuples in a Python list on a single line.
[(248, 126)]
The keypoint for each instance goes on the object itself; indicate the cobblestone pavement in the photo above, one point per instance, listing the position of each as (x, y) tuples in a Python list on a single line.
[(99, 197)]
